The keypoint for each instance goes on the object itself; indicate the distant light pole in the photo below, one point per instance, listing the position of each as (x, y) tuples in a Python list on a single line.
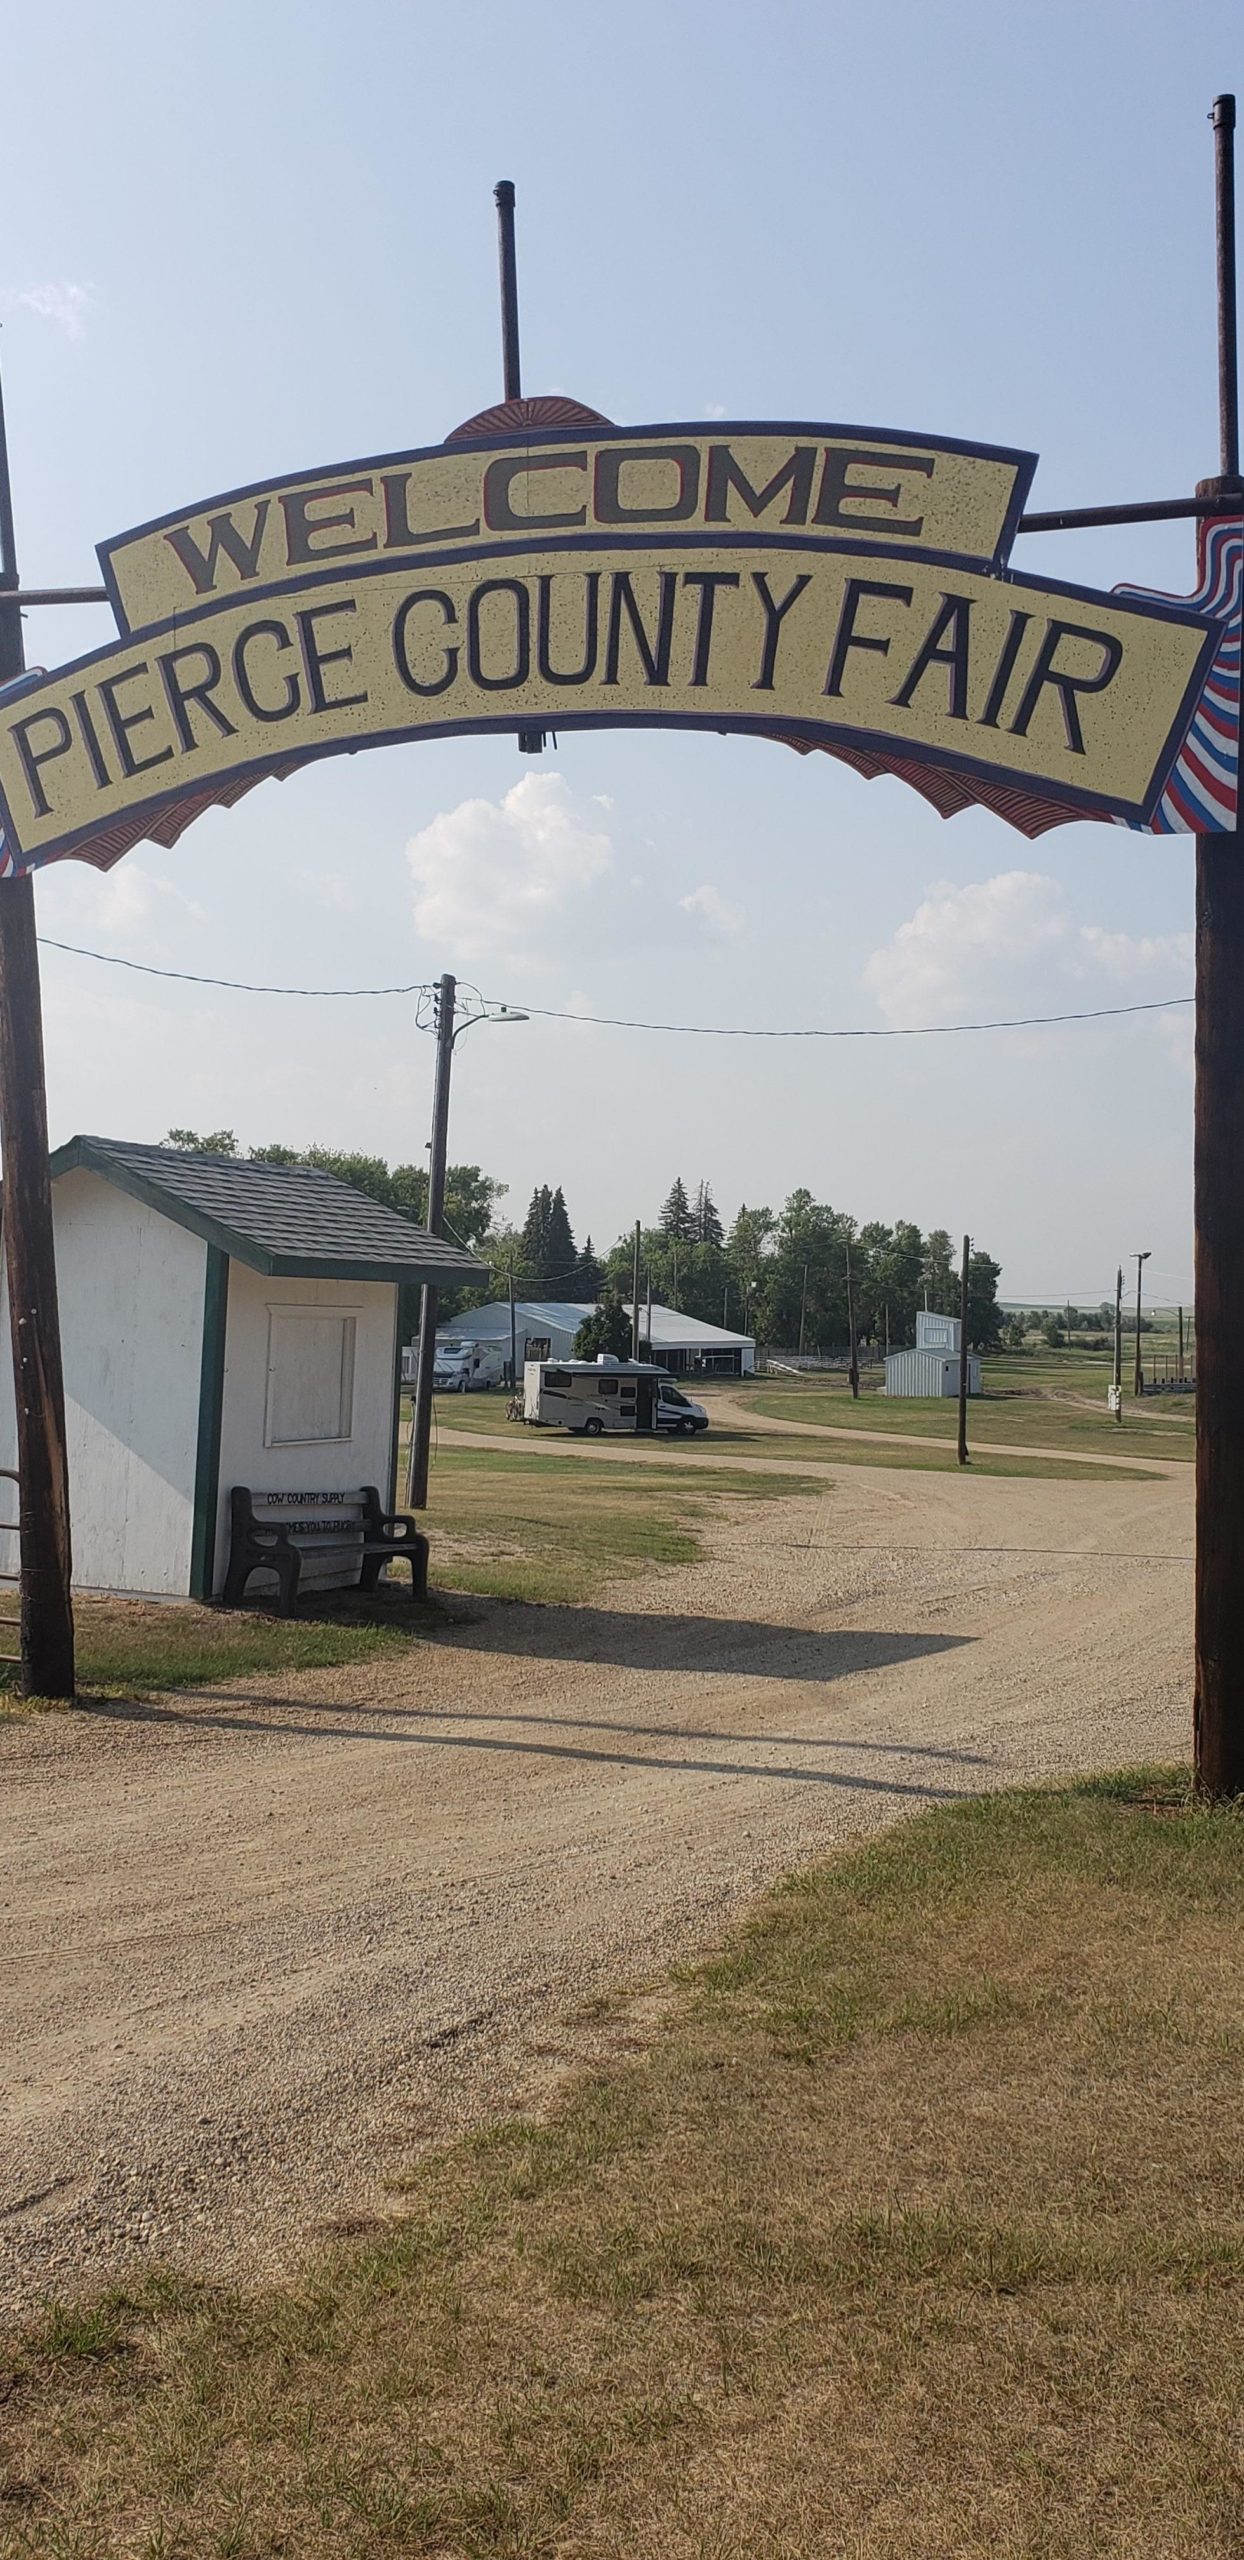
[(1138, 1381), (449, 1021), (1116, 1392)]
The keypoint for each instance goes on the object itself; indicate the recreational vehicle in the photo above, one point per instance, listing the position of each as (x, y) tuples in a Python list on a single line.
[(608, 1395)]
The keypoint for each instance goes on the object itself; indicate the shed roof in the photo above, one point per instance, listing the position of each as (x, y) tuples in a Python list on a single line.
[(288, 1220)]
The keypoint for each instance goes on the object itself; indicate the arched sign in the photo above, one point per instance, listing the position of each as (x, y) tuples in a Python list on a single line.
[(843, 588)]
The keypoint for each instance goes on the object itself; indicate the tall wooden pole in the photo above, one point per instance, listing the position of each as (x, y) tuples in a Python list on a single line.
[(635, 1291), (853, 1371), (29, 1252), (1218, 1703), (963, 1353), (1138, 1375), (421, 1414), (1118, 1344)]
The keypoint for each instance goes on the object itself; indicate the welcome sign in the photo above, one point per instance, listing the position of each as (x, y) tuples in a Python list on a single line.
[(838, 587)]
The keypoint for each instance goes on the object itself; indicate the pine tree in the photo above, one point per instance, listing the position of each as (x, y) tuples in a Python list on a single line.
[(676, 1220), (589, 1276), (534, 1244), (708, 1226), (561, 1278), (608, 1328)]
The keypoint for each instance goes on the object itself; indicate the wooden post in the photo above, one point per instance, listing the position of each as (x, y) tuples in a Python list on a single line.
[(963, 1354), (853, 1372), (1218, 1288), (29, 1251)]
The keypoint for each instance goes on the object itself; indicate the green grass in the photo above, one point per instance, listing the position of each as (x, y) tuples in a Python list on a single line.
[(916, 2232), (553, 1448), (134, 1648), (1019, 1405), (535, 1527)]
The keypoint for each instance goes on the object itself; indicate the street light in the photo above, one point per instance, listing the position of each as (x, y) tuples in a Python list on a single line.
[(439, 1010), (1138, 1382)]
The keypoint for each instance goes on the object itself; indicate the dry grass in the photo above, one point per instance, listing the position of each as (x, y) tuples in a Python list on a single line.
[(916, 2234)]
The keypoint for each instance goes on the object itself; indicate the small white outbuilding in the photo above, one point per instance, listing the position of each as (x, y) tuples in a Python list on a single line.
[(932, 1369), (222, 1323)]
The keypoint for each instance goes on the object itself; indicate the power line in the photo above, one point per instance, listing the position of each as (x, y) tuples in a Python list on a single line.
[(619, 1022)]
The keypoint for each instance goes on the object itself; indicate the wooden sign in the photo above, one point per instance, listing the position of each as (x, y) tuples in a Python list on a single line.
[(830, 586)]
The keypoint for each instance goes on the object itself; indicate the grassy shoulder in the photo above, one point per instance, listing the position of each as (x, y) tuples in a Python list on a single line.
[(136, 1648), (916, 2233)]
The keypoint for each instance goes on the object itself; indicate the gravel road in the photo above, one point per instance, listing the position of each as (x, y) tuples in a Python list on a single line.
[(265, 1942)]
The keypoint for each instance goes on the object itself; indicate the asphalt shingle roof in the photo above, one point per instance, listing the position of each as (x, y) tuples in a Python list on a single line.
[(284, 1219)]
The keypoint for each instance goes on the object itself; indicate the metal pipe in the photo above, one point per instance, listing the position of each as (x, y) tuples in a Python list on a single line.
[(421, 1412), (1138, 511), (1222, 117), (503, 197)]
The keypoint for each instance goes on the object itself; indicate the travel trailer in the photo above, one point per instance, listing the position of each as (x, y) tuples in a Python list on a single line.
[(608, 1395)]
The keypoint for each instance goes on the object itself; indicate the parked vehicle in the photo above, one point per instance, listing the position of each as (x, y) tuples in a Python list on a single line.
[(461, 1366), (594, 1396)]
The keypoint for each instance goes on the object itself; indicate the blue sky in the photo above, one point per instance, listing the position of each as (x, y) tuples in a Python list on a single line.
[(254, 239)]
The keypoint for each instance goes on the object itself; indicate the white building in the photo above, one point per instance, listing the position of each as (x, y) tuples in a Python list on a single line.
[(932, 1369), (222, 1323), (545, 1329)]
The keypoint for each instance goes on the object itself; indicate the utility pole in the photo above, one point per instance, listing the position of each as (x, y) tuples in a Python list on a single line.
[(1181, 1344), (650, 1311), (47, 1666), (963, 1354), (1138, 1375), (1116, 1397), (421, 1415), (513, 1334), (853, 1371), (1218, 1703), (803, 1307), (635, 1293)]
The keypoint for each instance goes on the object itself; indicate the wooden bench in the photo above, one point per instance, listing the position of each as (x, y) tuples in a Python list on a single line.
[(314, 1540)]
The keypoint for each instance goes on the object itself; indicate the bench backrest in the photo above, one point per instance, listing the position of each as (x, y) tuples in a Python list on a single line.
[(331, 1522)]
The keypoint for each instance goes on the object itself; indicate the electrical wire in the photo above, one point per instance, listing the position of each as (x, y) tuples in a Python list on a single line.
[(619, 1022)]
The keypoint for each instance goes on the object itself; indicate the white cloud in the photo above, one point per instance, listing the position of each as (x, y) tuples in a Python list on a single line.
[(67, 304), (964, 946), (119, 908), (715, 409), (492, 878), (1008, 946), (717, 915)]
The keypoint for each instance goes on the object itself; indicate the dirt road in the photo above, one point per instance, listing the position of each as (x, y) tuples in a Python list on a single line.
[(264, 1942)]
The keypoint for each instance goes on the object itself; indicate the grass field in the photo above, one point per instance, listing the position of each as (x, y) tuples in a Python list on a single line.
[(1054, 1400), (916, 2232), (460, 1418)]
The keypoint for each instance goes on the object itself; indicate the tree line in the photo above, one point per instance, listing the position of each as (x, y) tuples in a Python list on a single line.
[(780, 1275)]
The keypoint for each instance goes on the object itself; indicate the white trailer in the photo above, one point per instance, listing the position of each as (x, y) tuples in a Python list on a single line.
[(608, 1395)]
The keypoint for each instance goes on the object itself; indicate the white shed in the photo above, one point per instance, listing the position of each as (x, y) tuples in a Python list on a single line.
[(932, 1369), (222, 1323)]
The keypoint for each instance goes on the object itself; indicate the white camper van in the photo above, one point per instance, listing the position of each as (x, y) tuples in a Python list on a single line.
[(460, 1365), (608, 1395)]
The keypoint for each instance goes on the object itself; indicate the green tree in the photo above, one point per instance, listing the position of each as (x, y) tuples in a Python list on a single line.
[(706, 1222), (984, 1317), (589, 1277), (561, 1260), (608, 1328), (218, 1142), (534, 1243), (938, 1276), (676, 1219)]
